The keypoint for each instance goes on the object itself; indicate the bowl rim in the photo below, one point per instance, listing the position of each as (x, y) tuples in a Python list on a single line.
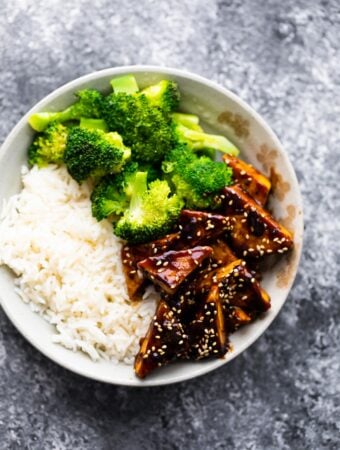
[(169, 71)]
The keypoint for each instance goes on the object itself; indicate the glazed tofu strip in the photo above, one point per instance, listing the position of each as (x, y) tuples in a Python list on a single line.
[(250, 179)]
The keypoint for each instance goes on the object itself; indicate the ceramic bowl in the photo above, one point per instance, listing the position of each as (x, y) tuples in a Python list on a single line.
[(221, 111)]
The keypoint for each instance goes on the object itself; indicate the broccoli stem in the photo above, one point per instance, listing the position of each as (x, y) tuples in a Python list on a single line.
[(137, 189), (39, 121), (201, 140), (126, 84), (188, 120), (93, 124)]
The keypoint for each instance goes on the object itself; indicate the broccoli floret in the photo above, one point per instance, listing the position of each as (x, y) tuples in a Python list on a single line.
[(164, 95), (180, 157), (152, 211), (196, 180), (107, 199), (49, 146), (93, 153), (144, 128), (87, 105), (199, 140), (112, 194)]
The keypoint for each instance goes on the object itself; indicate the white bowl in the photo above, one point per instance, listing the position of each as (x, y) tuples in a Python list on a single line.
[(220, 111)]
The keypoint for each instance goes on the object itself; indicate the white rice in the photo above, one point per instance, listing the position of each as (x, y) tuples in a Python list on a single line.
[(68, 266)]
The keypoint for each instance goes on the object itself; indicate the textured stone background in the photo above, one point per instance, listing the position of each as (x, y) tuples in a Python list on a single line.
[(284, 392)]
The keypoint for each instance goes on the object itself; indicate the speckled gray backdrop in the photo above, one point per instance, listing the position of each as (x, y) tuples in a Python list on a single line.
[(283, 393)]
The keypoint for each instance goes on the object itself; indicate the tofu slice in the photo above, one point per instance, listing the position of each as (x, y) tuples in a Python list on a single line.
[(164, 342), (222, 253), (253, 231), (131, 255), (207, 333), (134, 279), (238, 288), (198, 227), (250, 179), (170, 269)]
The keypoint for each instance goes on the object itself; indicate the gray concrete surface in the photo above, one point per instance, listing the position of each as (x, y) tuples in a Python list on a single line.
[(281, 57)]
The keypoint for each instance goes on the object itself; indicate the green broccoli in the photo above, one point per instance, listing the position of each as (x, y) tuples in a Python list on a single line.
[(126, 83), (188, 120), (196, 180), (88, 104), (180, 157), (93, 153), (49, 146), (93, 124), (144, 128), (164, 95), (154, 171), (112, 194), (152, 211), (199, 140)]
